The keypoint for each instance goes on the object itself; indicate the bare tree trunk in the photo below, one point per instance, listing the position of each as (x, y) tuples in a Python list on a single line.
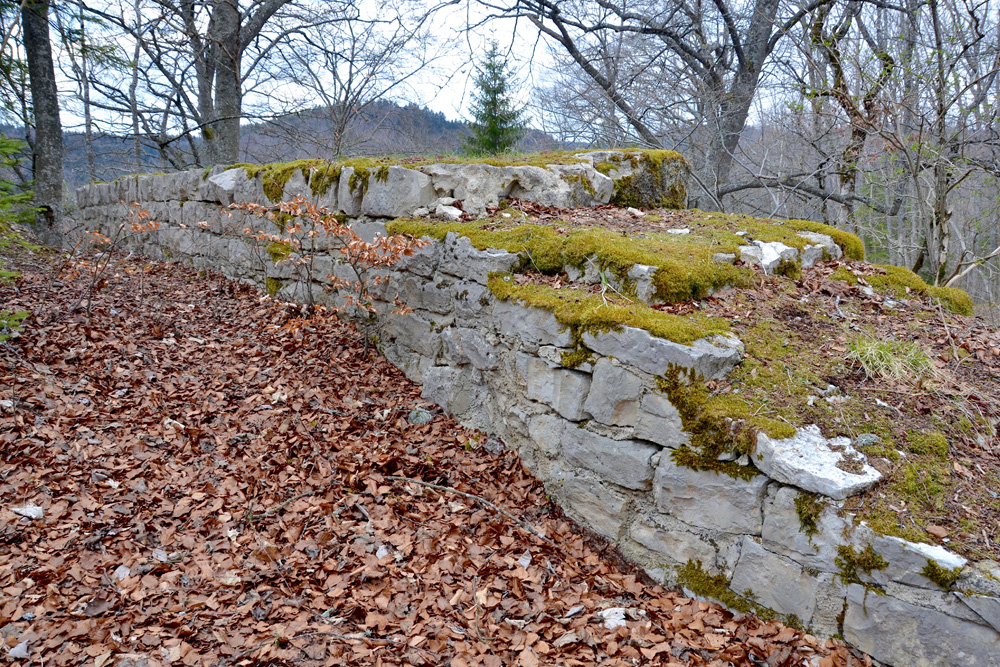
[(48, 154), (226, 52)]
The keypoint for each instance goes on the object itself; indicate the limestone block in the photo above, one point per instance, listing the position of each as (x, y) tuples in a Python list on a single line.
[(906, 559), (675, 542), (783, 533), (476, 185), (776, 582), (980, 590), (627, 463), (658, 421), (470, 301), (221, 187), (713, 356), (297, 185), (581, 185), (459, 258), (767, 255), (468, 346), (533, 327), (559, 388), (809, 461), (642, 276), (985, 606), (448, 212), (368, 230), (821, 244), (423, 262), (414, 333), (614, 394), (546, 432), (402, 191), (458, 391), (897, 632), (599, 508), (709, 499), (348, 199), (554, 355)]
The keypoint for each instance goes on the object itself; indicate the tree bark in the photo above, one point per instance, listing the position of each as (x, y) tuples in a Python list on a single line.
[(47, 159)]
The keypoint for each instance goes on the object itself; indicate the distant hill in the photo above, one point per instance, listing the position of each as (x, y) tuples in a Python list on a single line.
[(384, 128)]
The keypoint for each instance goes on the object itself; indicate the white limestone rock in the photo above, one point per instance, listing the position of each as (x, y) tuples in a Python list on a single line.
[(710, 499), (533, 327), (561, 389), (422, 262), (896, 632), (471, 301), (784, 534), (776, 582), (713, 356), (596, 506), (820, 245), (460, 392), (468, 346), (809, 461), (614, 394), (459, 258), (658, 421), (627, 463), (415, 333), (546, 431), (400, 193), (349, 199), (448, 212), (668, 539), (767, 255), (905, 559)]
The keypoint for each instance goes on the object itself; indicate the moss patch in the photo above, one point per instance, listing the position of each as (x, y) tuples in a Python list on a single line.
[(927, 443), (942, 576), (852, 562), (652, 185), (279, 251), (809, 507), (900, 281), (272, 286)]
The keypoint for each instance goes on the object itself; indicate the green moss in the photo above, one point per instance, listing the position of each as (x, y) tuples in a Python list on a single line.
[(790, 268), (323, 177), (358, 182), (717, 424), (279, 251), (694, 578), (843, 274), (942, 576), (650, 186), (809, 507), (581, 311), (934, 443), (272, 286), (899, 281), (850, 562), (576, 357), (923, 482)]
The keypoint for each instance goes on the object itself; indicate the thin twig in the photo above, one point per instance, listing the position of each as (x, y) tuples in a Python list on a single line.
[(250, 516), (479, 499), (951, 339)]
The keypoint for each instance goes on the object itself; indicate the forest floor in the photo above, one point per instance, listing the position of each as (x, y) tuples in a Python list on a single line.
[(190, 475)]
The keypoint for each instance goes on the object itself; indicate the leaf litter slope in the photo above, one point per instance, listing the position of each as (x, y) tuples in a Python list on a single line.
[(216, 489)]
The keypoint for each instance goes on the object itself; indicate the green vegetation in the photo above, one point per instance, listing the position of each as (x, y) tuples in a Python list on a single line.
[(899, 281), (809, 507), (851, 561), (889, 359), (927, 443), (11, 322), (942, 576), (272, 286), (498, 122), (280, 251)]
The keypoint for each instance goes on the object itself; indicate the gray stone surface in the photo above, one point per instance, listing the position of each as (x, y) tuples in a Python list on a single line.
[(709, 499), (423, 262), (459, 258), (776, 582), (670, 541), (470, 301), (469, 346), (712, 357), (533, 327), (904, 634), (403, 191), (809, 461), (658, 421), (414, 333), (614, 394), (559, 388), (985, 606), (767, 255), (906, 559), (596, 506), (546, 432), (460, 392), (821, 244), (783, 532), (348, 199), (627, 463)]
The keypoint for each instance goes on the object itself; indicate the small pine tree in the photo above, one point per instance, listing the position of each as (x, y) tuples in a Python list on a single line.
[(498, 124)]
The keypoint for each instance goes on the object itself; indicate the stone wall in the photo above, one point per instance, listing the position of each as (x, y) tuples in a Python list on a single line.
[(600, 435)]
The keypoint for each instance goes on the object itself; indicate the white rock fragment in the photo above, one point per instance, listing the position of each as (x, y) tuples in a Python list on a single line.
[(19, 652), (382, 552), (614, 617), (525, 560), (634, 211), (685, 230), (448, 212), (29, 511), (810, 461), (122, 572)]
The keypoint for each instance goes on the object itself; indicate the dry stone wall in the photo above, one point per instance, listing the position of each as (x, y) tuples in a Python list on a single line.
[(600, 435)]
